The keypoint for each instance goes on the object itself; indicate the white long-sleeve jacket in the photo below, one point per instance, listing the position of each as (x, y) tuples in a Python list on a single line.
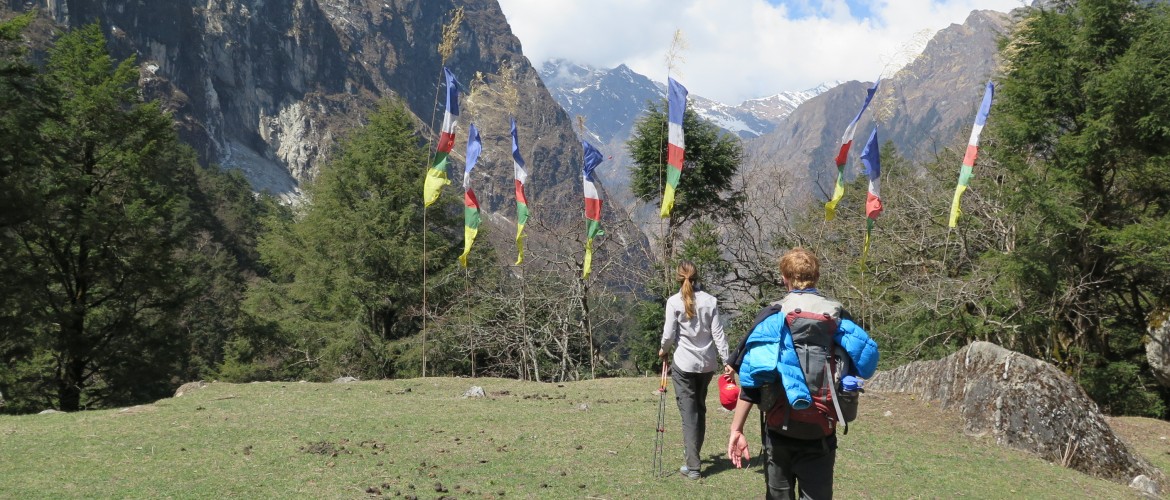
[(696, 340)]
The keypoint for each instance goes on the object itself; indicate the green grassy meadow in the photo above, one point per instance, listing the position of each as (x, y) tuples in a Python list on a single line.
[(421, 438)]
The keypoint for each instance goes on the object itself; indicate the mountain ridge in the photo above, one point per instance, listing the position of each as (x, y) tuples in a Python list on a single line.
[(609, 101), (571, 82), (923, 108)]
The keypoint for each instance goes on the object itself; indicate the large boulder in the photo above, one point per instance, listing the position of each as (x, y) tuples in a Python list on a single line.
[(1158, 345), (189, 387), (1023, 403)]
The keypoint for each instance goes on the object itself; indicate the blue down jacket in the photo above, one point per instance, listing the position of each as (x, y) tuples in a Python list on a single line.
[(769, 352)]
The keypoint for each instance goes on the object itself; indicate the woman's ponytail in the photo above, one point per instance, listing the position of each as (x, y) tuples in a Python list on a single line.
[(687, 275)]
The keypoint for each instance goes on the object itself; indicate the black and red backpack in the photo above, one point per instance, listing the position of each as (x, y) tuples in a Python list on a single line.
[(812, 321)]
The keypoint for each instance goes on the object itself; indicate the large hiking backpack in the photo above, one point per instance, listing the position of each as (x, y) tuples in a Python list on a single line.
[(812, 321)]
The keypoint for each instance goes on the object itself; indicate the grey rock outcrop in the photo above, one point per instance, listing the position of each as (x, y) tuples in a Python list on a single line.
[(1023, 403), (344, 380), (189, 387), (1145, 485), (1158, 345)]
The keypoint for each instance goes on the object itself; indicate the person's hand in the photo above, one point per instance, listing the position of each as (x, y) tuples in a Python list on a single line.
[(737, 449), (727, 370), (662, 354)]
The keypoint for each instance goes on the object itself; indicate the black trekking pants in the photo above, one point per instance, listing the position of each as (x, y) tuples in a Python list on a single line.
[(800, 465), (690, 391)]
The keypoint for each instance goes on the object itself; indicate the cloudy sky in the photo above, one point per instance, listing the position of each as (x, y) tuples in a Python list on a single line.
[(739, 49)]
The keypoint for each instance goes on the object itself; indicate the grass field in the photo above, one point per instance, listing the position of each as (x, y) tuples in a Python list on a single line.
[(421, 438)]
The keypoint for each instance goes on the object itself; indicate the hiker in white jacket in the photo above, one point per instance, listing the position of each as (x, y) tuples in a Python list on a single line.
[(693, 329)]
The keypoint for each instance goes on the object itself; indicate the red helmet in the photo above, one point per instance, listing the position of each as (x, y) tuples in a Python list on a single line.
[(728, 392)]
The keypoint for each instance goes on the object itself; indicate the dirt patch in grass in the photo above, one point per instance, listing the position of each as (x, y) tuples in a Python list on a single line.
[(321, 448), (544, 396)]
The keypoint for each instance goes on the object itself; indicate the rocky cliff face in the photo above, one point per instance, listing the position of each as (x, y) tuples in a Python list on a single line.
[(268, 87), (925, 107), (1023, 403)]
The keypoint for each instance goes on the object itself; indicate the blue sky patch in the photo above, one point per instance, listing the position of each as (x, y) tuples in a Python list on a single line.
[(801, 9)]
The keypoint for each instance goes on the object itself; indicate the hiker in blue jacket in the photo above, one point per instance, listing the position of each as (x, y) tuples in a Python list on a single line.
[(692, 327), (802, 403)]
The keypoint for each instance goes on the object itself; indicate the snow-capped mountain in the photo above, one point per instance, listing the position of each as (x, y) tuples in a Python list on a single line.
[(754, 117), (734, 119), (777, 107), (611, 100)]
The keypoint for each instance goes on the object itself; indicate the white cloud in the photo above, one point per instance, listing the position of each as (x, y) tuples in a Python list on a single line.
[(738, 49)]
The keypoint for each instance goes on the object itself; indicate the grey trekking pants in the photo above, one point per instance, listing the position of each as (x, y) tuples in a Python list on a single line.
[(690, 391)]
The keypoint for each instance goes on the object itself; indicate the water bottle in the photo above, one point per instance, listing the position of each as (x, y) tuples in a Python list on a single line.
[(851, 384), (850, 387)]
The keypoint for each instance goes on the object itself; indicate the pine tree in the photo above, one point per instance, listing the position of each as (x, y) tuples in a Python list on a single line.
[(23, 108), (705, 189), (104, 286), (346, 270), (1082, 127)]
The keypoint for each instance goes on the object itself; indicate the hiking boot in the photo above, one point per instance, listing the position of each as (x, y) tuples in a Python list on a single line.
[(688, 473)]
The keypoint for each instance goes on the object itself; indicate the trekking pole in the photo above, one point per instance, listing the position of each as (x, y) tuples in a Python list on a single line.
[(661, 428)]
